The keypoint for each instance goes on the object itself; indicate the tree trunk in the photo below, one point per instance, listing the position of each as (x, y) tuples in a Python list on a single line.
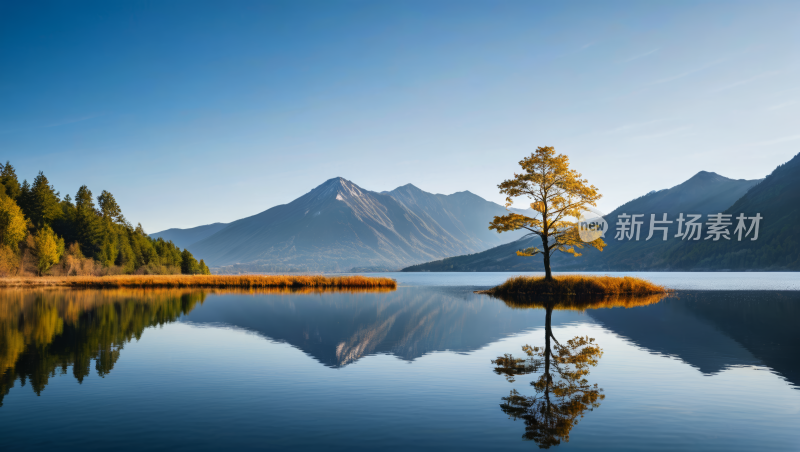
[(548, 275)]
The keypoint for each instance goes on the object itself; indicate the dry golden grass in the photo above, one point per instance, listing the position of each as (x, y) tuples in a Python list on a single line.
[(206, 281), (577, 285)]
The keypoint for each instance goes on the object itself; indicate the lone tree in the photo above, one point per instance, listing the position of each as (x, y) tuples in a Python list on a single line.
[(559, 196)]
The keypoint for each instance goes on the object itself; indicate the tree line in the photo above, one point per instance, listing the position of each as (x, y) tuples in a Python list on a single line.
[(41, 233)]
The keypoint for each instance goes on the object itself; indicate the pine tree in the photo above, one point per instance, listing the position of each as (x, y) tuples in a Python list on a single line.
[(65, 225), (44, 202), (109, 207), (8, 178), (87, 222), (24, 198), (204, 270), (189, 265), (125, 256)]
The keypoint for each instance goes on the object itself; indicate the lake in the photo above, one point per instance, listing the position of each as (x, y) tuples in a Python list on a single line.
[(715, 367)]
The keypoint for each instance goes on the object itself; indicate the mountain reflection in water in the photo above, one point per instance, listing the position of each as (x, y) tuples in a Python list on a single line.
[(44, 332)]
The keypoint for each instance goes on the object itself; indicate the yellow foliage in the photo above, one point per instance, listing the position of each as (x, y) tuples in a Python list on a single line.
[(12, 344), (12, 223), (49, 248), (563, 394), (559, 196), (9, 260)]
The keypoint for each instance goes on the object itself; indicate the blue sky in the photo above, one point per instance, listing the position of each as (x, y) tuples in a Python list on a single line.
[(195, 112)]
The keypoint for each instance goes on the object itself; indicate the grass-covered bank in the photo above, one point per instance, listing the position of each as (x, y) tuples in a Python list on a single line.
[(577, 285), (209, 281)]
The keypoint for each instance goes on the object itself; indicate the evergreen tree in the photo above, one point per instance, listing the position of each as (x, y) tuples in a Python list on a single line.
[(125, 256), (109, 207), (44, 201), (8, 178), (189, 265), (204, 270), (109, 248), (64, 225), (24, 198), (87, 222), (168, 253)]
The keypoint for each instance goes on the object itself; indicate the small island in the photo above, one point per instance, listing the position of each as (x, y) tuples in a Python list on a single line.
[(591, 285)]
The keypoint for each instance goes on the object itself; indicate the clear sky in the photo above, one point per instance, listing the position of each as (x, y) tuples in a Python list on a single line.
[(193, 112)]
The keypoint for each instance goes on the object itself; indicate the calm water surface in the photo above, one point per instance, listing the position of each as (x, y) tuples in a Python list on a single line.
[(715, 368)]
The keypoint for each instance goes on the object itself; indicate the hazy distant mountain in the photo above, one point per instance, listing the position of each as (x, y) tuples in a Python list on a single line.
[(338, 226), (464, 215), (185, 237), (777, 200), (704, 193)]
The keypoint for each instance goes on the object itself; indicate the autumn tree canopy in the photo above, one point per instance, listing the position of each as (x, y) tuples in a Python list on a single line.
[(558, 196)]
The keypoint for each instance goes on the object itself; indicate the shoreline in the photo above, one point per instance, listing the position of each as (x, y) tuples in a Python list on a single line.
[(202, 281)]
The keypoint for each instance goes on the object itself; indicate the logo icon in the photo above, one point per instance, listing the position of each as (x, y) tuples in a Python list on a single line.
[(592, 225)]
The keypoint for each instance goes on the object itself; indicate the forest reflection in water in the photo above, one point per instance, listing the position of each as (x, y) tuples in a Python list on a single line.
[(562, 392), (44, 332)]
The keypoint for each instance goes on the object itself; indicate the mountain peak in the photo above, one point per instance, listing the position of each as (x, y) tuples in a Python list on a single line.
[(336, 181), (707, 176), (408, 188), (334, 188)]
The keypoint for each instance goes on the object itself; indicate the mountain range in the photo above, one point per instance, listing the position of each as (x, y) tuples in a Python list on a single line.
[(776, 198), (339, 226)]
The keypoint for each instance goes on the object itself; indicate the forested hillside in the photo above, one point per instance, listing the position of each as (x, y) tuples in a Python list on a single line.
[(777, 200), (42, 233)]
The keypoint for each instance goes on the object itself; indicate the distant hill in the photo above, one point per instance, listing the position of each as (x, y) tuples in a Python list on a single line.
[(185, 237), (777, 200), (338, 226), (704, 193)]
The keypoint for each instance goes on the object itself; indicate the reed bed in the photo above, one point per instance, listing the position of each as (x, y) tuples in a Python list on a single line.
[(577, 285), (206, 281)]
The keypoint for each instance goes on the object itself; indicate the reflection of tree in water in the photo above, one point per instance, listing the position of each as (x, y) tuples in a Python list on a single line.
[(44, 331), (563, 394)]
